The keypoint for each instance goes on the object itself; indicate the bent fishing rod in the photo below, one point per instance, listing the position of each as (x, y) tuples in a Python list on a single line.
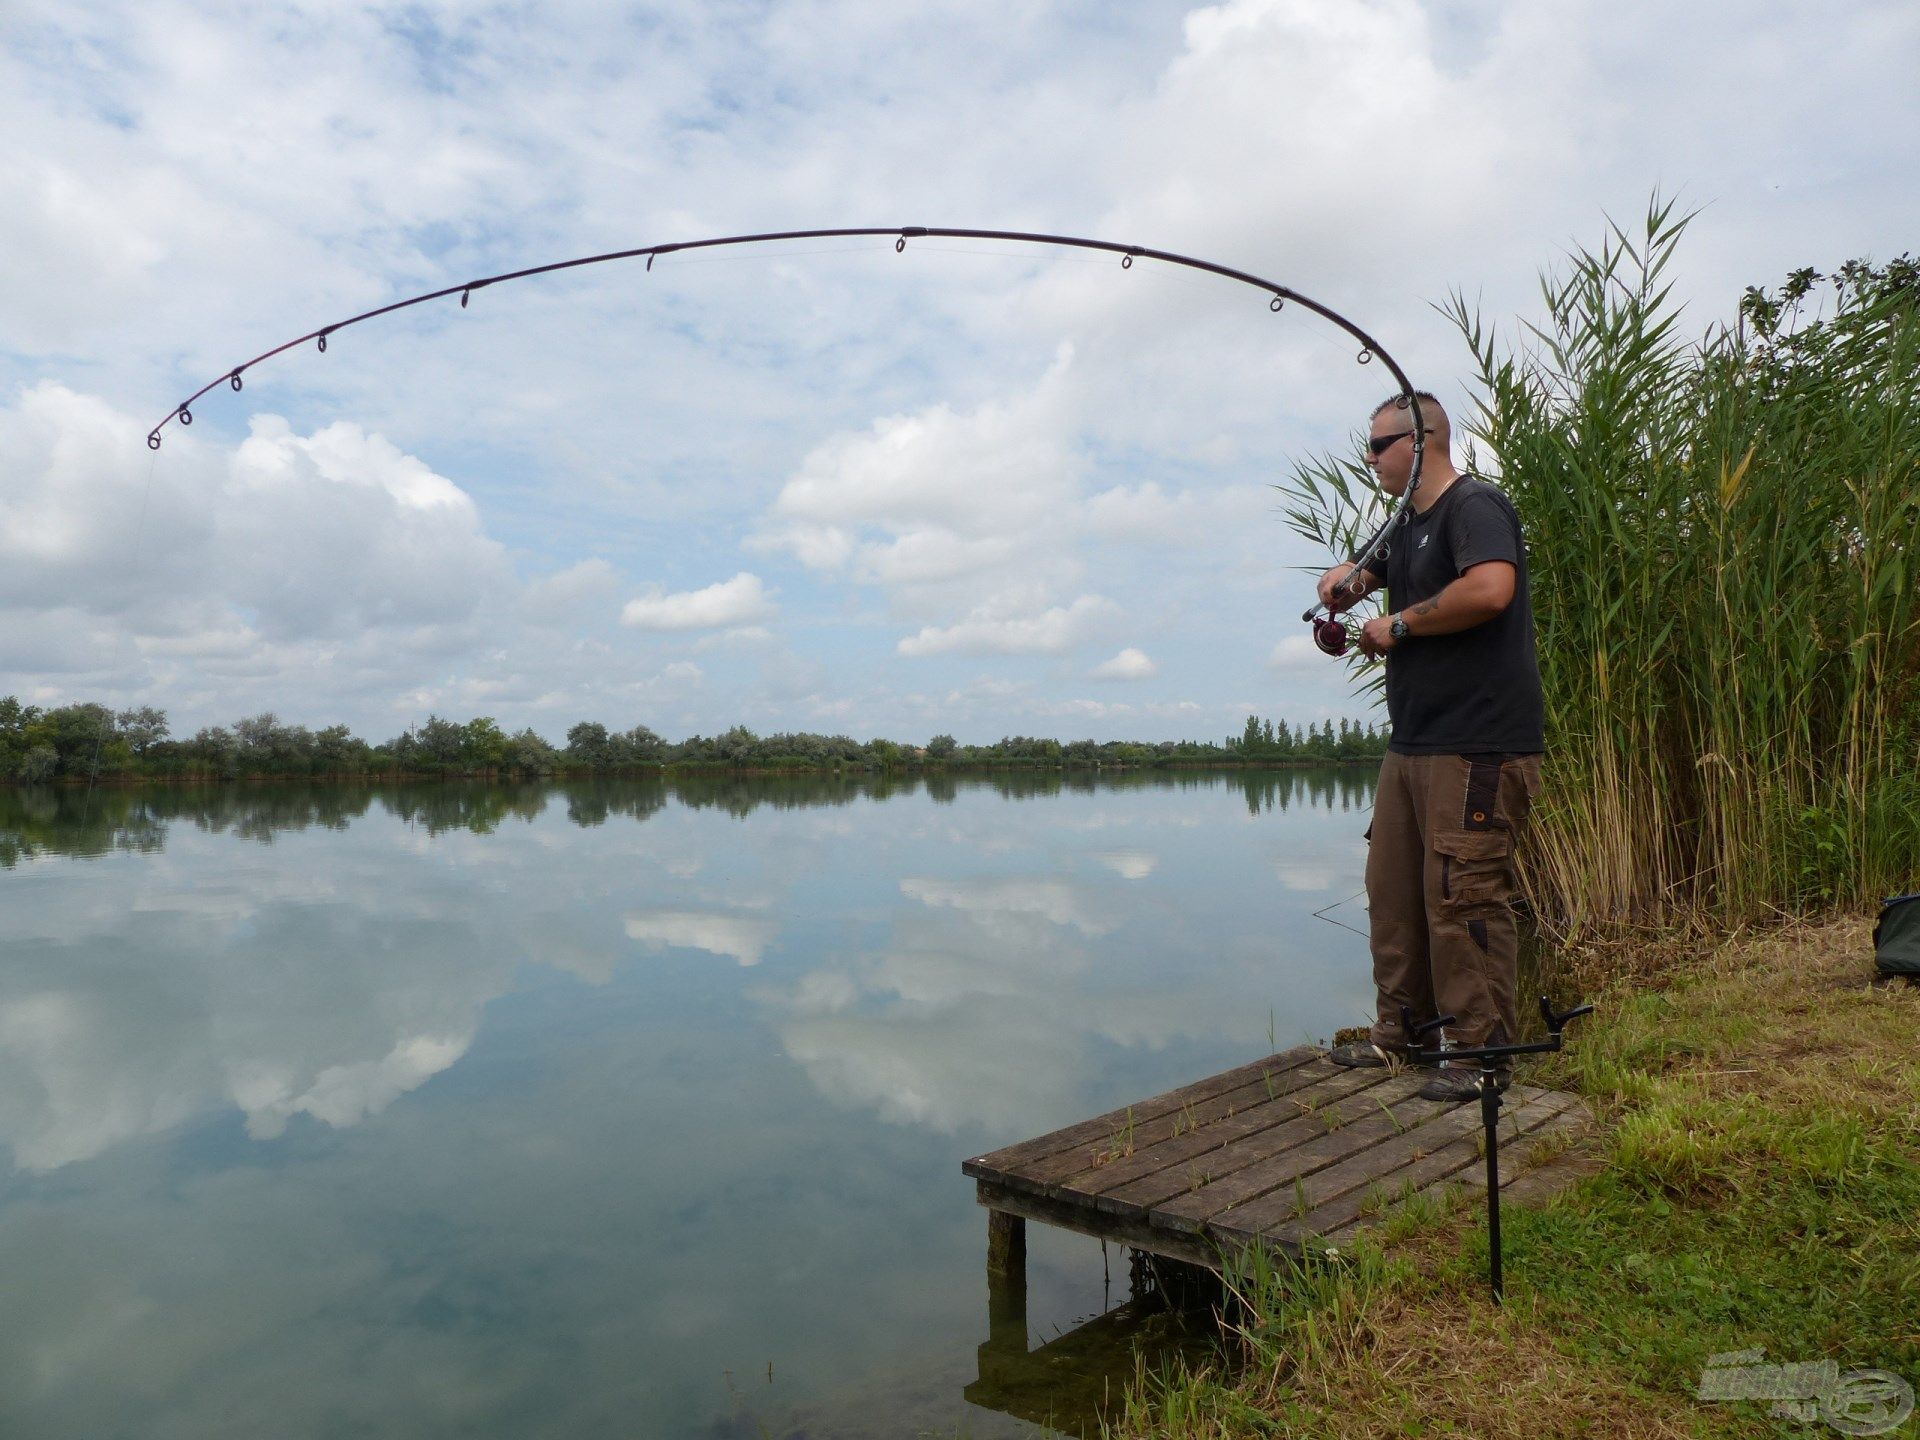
[(1330, 634)]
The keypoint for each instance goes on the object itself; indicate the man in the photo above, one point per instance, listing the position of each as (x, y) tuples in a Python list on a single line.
[(1463, 764)]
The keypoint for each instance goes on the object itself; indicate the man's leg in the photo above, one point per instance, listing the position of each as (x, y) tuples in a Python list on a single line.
[(1396, 860), (1473, 812)]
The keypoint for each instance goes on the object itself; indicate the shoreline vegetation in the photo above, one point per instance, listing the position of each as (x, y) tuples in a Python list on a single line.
[(89, 744)]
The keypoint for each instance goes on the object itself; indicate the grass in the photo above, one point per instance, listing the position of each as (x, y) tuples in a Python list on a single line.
[(1119, 1146), (1756, 1182)]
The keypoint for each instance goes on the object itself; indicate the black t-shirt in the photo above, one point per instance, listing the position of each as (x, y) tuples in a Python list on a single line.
[(1476, 690)]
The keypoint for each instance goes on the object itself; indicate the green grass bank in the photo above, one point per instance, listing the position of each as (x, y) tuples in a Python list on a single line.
[(1755, 1182)]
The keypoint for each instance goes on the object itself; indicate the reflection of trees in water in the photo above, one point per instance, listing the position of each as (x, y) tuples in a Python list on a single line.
[(259, 812), (41, 820), (741, 795), (592, 802), (1343, 788), (476, 806), (45, 820)]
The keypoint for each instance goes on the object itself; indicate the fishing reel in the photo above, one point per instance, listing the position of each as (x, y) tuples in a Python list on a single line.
[(1332, 634)]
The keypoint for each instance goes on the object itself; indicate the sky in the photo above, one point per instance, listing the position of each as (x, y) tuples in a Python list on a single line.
[(971, 488)]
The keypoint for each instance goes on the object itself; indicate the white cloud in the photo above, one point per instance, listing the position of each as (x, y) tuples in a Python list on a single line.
[(294, 537), (741, 601), (1147, 514), (737, 937), (1129, 664), (986, 631), (567, 595), (346, 1094), (1297, 653), (1058, 901), (1297, 875), (1130, 864)]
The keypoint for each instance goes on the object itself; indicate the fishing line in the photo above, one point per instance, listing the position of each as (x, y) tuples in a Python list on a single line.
[(1321, 913)]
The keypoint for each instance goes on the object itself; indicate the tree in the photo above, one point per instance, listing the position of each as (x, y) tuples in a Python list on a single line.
[(442, 742), (642, 746), (143, 728), (334, 748), (80, 736), (216, 747), (531, 753), (483, 744), (941, 747), (738, 745), (588, 744)]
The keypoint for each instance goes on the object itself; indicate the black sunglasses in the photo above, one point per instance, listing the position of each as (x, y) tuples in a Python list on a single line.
[(1380, 444)]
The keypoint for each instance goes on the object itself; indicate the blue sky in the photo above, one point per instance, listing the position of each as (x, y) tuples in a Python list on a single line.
[(979, 489)]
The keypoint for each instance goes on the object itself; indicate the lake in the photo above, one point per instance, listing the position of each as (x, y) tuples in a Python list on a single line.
[(612, 1109)]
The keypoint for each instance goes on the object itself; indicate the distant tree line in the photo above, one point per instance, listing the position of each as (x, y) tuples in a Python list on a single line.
[(90, 741)]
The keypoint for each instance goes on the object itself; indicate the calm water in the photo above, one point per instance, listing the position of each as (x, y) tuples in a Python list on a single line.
[(612, 1110)]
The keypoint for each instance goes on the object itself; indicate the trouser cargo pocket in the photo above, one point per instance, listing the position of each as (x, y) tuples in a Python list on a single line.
[(1476, 868)]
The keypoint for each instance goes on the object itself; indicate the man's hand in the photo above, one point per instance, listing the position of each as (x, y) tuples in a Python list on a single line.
[(1376, 637), (1344, 586)]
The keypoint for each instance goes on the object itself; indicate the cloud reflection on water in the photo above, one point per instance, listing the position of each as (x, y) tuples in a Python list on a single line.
[(431, 1110)]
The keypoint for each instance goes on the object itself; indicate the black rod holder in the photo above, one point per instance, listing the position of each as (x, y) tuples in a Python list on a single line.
[(1490, 1102)]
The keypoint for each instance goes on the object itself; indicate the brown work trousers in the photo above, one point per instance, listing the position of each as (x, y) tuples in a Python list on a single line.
[(1440, 887)]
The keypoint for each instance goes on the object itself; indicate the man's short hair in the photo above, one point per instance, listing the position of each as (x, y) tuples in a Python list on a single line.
[(1398, 401)]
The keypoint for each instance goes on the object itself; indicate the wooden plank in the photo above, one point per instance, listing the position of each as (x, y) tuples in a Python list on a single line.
[(1261, 1196), (1012, 1157), (1232, 1106), (1236, 1153), (1141, 1181), (1518, 1160), (1540, 1183), (1443, 1146), (1193, 1249), (1470, 1178), (1095, 1171)]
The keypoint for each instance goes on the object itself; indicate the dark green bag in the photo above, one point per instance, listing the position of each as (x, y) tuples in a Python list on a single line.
[(1896, 939)]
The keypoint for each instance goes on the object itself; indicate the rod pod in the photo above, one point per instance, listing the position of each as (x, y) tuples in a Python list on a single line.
[(1490, 1102)]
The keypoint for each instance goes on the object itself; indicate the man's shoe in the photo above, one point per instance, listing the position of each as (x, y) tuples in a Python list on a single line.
[(1364, 1054), (1461, 1082)]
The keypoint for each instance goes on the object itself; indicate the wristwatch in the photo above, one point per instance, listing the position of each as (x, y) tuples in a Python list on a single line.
[(1398, 630)]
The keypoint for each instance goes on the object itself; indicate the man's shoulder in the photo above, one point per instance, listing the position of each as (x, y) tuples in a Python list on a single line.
[(1477, 498), (1477, 487)]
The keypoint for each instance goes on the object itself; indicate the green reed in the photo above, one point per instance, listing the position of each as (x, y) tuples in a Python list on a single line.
[(1723, 534)]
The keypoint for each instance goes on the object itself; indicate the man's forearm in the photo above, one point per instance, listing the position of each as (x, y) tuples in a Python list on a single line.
[(1472, 599)]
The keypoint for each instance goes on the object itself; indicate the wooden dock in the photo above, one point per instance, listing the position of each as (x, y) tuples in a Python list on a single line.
[(1292, 1152)]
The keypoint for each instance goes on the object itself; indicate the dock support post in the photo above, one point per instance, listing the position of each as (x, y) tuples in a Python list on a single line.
[(1006, 1282)]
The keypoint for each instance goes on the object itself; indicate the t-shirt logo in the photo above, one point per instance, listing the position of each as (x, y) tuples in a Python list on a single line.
[(1423, 542)]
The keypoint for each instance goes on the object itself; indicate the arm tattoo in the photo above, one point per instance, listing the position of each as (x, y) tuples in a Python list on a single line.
[(1426, 607)]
